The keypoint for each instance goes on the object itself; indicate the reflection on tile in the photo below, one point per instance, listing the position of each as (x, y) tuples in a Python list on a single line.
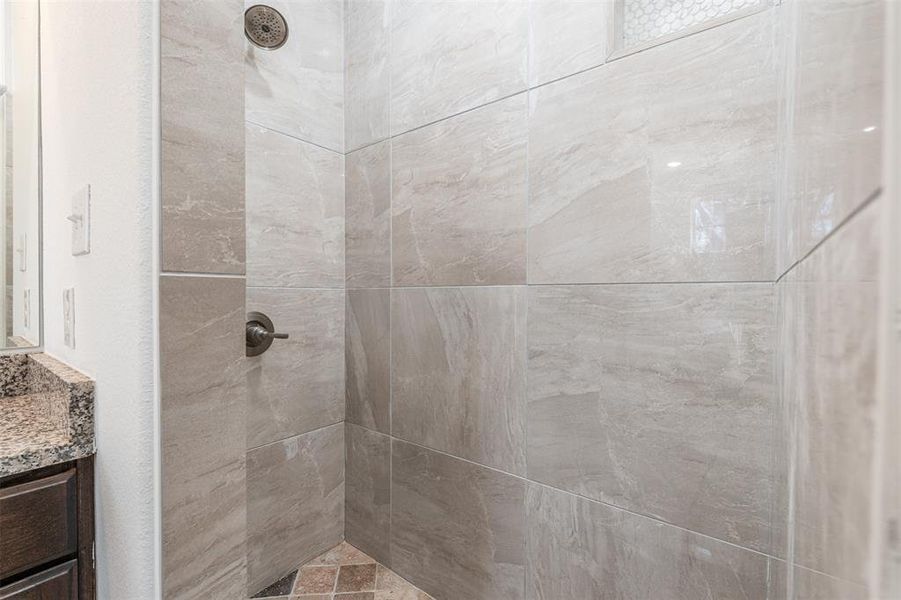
[(582, 549), (653, 168), (832, 401), (299, 89), (834, 141), (366, 351), (458, 372), (295, 212), (457, 529), (459, 199), (366, 83), (368, 213), (658, 399), (297, 385), (295, 502), (202, 436), (448, 56), (567, 36), (202, 145), (368, 496)]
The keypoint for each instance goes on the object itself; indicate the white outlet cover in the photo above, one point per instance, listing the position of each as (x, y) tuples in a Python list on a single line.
[(81, 222), (69, 317)]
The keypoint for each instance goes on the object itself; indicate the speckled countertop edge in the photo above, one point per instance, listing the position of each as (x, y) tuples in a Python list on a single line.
[(46, 375)]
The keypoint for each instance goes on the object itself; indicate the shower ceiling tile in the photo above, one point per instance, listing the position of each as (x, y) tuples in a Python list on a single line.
[(567, 36), (583, 549), (458, 372), (659, 166), (298, 384), (457, 529), (658, 399), (295, 212), (295, 502), (368, 216), (459, 199), (451, 56), (299, 88)]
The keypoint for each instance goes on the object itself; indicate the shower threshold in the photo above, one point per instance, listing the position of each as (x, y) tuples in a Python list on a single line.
[(343, 573)]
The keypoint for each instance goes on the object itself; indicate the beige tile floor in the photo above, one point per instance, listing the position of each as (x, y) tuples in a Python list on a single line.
[(343, 573)]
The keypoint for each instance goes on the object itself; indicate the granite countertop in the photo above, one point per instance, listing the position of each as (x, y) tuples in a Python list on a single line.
[(46, 413)]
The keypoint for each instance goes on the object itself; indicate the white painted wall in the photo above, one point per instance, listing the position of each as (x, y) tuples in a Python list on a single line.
[(100, 65)]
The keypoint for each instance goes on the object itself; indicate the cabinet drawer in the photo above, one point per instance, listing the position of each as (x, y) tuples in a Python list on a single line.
[(56, 583), (37, 522)]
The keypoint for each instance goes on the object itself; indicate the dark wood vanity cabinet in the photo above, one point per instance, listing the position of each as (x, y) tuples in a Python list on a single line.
[(47, 533)]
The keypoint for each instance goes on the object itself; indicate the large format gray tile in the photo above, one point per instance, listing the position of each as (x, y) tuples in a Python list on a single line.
[(659, 166), (832, 404), (367, 359), (810, 585), (568, 36), (459, 199), (582, 549), (457, 529), (450, 56), (658, 399), (202, 436), (458, 372), (298, 384), (366, 74), (295, 502), (834, 129), (202, 141), (295, 212), (299, 88), (368, 492), (367, 206)]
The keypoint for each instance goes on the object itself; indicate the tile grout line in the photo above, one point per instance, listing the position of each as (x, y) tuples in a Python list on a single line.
[(296, 435)]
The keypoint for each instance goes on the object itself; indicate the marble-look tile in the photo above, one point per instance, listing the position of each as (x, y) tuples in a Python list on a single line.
[(582, 549), (202, 413), (568, 36), (459, 199), (458, 372), (451, 56), (457, 529), (658, 399), (295, 212), (834, 132), (810, 585), (367, 206), (832, 402), (298, 384), (366, 74), (299, 88), (659, 166), (295, 502), (367, 359), (367, 503), (202, 141)]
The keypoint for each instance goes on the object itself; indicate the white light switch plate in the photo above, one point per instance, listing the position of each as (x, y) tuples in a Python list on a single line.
[(22, 251), (81, 222), (26, 309), (69, 317)]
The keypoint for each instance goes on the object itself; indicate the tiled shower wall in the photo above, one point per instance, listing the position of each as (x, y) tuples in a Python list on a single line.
[(561, 316), (828, 289), (295, 274)]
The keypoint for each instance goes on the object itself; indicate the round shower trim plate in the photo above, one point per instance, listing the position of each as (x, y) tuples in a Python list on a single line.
[(265, 27)]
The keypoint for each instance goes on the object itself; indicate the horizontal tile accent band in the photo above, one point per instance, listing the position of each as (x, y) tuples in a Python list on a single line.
[(526, 479)]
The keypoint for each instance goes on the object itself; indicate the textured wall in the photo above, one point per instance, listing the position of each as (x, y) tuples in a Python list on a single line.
[(295, 274), (560, 310), (99, 129)]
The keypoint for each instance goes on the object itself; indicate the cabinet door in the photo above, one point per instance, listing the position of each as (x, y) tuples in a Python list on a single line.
[(56, 583)]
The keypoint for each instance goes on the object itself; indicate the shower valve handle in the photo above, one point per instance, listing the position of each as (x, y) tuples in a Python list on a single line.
[(259, 333)]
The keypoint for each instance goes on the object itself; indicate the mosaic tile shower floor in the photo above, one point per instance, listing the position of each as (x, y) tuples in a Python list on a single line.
[(343, 573)]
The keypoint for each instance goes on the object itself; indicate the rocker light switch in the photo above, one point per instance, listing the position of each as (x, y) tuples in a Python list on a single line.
[(81, 222), (69, 317)]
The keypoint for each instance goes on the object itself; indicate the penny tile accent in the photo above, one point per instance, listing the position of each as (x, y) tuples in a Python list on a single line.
[(356, 578)]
